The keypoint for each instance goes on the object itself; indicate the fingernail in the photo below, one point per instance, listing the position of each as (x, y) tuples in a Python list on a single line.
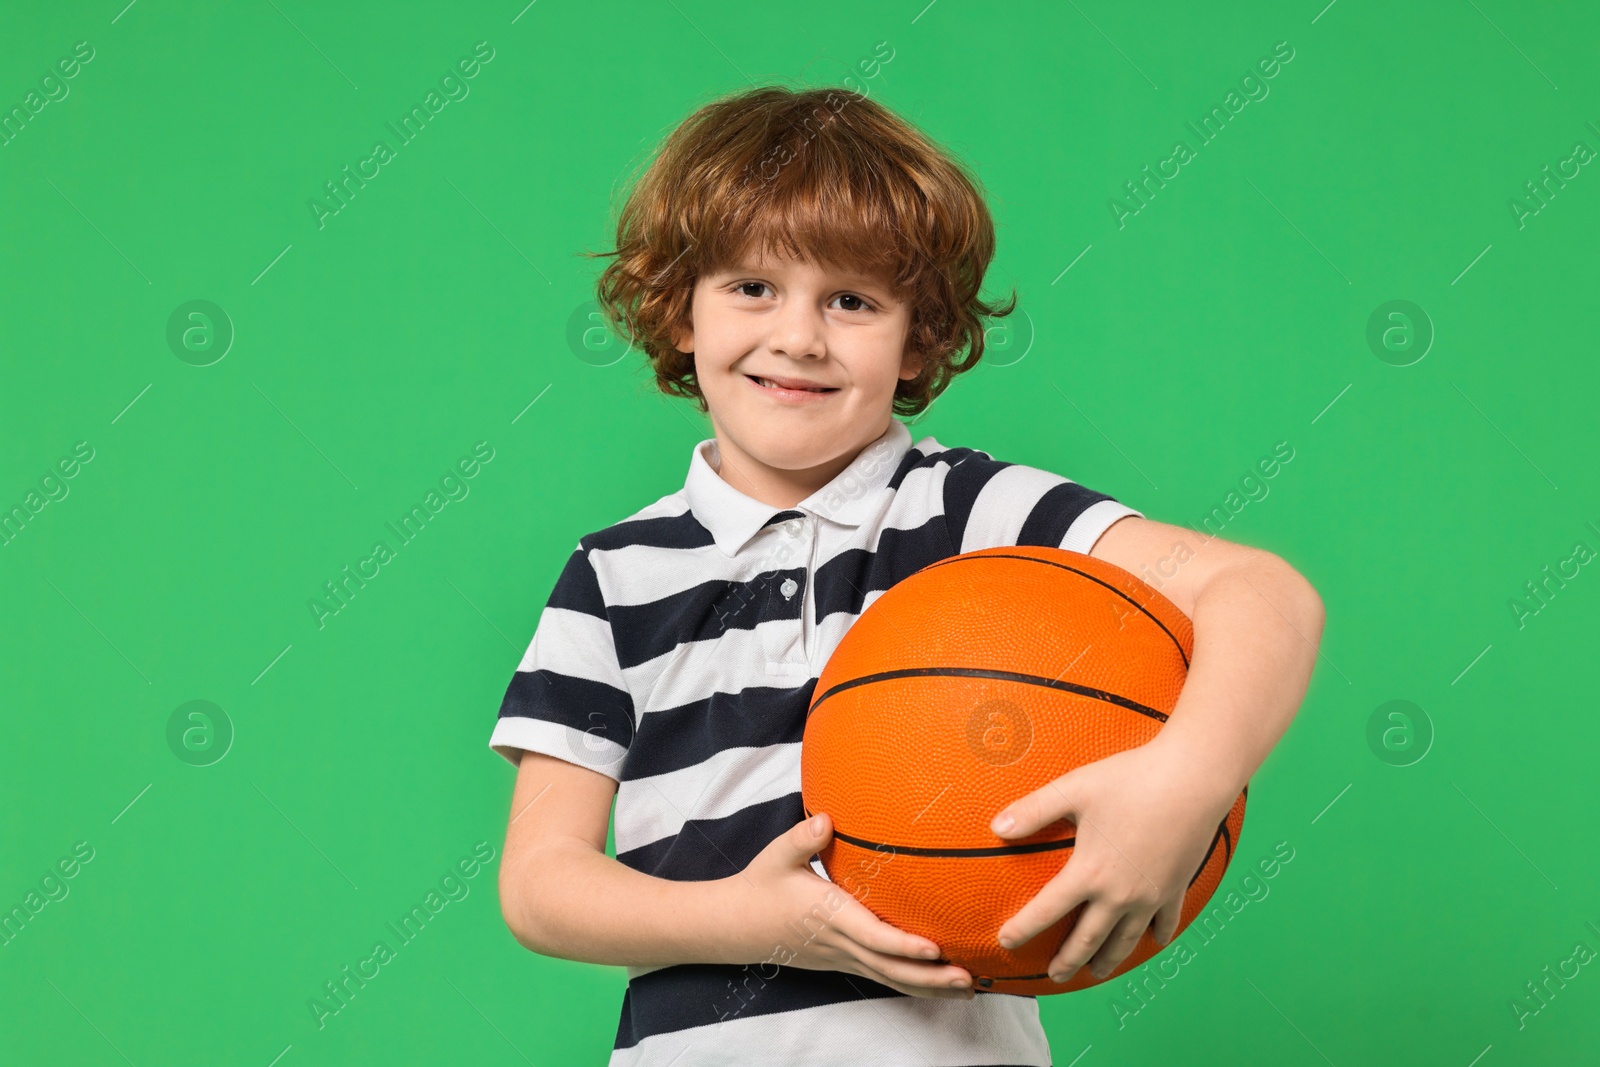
[(930, 953), (1003, 824), (1008, 942), (815, 825)]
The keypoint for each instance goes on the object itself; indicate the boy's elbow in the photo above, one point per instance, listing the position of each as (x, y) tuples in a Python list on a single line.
[(519, 907), (1305, 603), (1316, 613)]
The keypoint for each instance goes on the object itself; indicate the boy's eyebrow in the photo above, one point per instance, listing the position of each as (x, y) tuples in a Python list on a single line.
[(847, 278)]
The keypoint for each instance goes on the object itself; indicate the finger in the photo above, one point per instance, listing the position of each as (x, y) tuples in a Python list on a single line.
[(918, 991), (914, 985), (1121, 941), (858, 923), (1060, 895), (1165, 924), (1083, 941), (1031, 813), (943, 977)]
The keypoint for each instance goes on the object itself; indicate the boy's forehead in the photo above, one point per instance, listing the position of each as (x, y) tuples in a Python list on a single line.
[(759, 262)]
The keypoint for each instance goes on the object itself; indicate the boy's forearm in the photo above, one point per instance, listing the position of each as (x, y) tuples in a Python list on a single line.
[(568, 901), (1257, 626)]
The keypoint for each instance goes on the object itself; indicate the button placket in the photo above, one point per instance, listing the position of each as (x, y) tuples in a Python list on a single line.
[(785, 641), (807, 605)]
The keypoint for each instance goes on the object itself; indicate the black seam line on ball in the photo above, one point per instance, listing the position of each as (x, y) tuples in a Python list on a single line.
[(962, 853), (984, 672), (1209, 850), (1011, 977), (1098, 581)]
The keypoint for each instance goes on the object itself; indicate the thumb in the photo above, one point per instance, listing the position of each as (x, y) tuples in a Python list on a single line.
[(1033, 812), (806, 838)]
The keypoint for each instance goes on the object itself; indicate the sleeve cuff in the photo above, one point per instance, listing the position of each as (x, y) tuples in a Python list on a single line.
[(1094, 521), (515, 734)]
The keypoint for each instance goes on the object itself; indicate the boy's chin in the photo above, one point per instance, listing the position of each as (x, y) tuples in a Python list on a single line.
[(795, 452)]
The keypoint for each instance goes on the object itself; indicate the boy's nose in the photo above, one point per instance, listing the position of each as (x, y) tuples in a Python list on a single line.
[(797, 332)]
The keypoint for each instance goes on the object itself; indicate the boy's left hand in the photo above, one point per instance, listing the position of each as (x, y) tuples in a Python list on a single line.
[(1145, 818)]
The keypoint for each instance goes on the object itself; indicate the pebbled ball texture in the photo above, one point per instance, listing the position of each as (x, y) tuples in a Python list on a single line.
[(964, 686)]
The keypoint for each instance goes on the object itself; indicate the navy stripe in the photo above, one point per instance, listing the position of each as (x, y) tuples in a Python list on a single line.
[(754, 717), (1054, 514), (577, 588), (717, 848), (842, 583), (671, 531), (703, 994), (593, 707), (912, 460), (703, 612), (969, 472)]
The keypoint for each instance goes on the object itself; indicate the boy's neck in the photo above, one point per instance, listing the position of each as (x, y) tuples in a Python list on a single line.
[(774, 486)]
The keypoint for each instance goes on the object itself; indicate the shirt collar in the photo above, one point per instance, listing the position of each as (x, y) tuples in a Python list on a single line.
[(734, 518)]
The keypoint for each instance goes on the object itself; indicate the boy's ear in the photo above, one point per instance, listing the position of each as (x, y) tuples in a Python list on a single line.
[(683, 340), (910, 365)]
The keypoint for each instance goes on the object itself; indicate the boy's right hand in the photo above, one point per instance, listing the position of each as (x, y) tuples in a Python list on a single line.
[(779, 902)]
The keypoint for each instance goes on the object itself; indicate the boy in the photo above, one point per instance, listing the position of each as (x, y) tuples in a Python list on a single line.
[(805, 266)]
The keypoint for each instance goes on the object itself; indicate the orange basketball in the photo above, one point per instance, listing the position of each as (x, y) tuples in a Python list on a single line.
[(965, 686)]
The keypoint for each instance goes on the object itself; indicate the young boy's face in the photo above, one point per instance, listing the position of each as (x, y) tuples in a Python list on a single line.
[(795, 323)]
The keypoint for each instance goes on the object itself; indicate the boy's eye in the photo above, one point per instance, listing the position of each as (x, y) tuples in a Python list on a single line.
[(743, 289)]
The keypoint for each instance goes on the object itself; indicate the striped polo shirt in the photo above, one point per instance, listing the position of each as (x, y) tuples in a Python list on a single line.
[(677, 655)]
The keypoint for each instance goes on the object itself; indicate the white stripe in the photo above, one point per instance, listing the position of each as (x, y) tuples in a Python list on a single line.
[(666, 507), (589, 750), (649, 809), (886, 1032), (576, 644), (655, 573), (1095, 520), (1003, 505), (696, 670)]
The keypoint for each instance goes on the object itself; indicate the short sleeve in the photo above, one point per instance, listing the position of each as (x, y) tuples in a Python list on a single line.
[(567, 697), (990, 503)]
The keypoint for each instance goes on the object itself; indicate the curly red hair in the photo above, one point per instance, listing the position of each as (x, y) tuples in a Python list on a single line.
[(824, 175)]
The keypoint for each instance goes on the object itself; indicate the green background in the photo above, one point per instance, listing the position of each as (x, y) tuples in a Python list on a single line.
[(372, 353)]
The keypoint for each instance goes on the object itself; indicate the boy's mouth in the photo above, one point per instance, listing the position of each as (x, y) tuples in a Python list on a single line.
[(791, 385)]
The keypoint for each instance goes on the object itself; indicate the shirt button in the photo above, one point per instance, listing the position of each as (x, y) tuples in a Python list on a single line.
[(792, 527), (788, 588)]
